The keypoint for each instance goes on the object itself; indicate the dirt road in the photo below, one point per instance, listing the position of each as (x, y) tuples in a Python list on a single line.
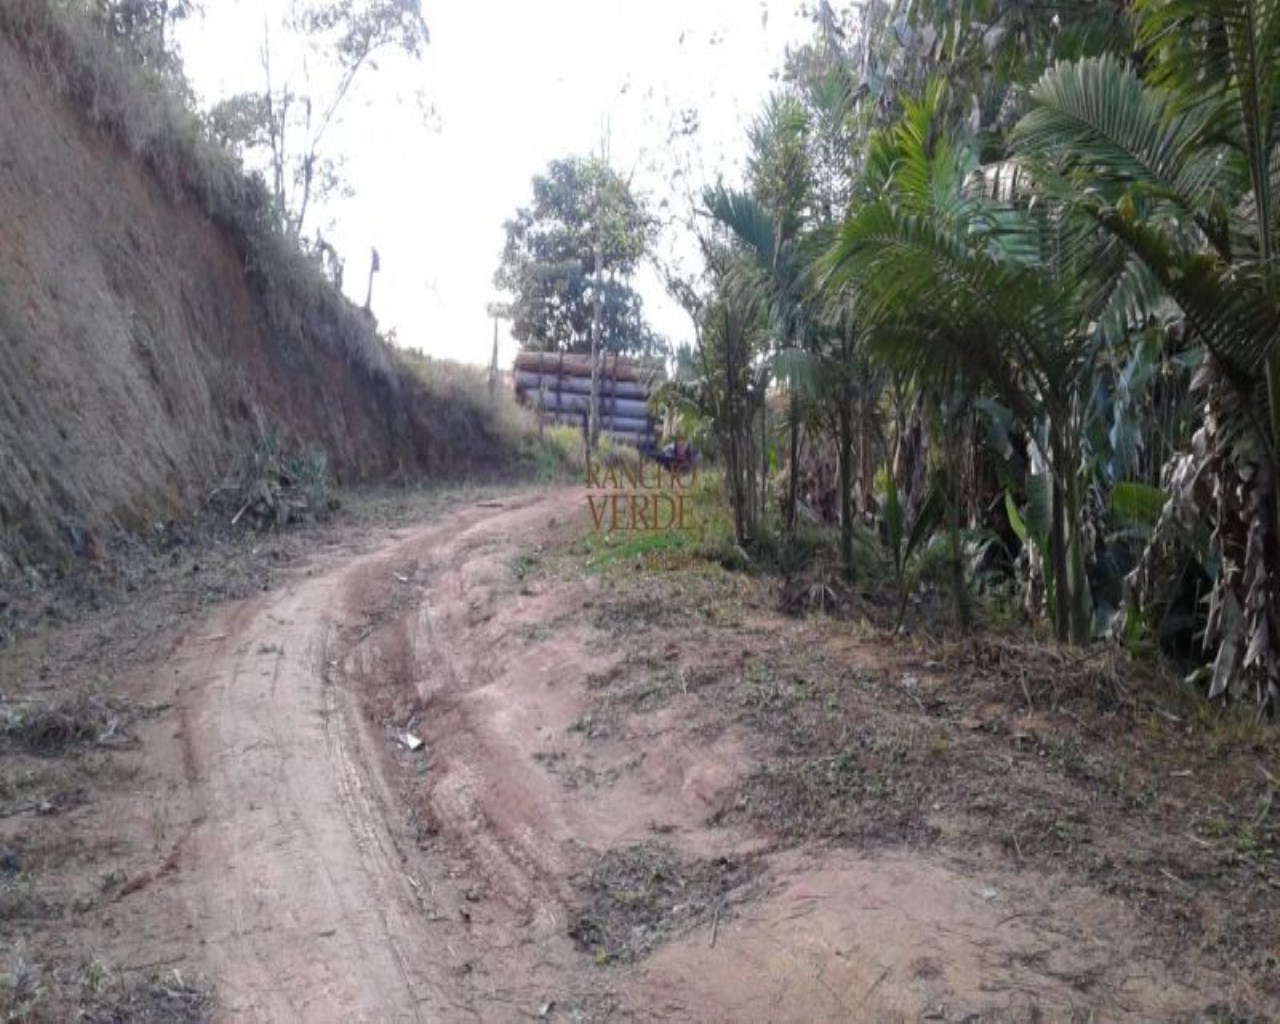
[(317, 869)]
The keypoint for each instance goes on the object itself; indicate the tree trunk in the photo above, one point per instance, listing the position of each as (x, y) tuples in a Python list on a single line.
[(794, 483), (1078, 589), (1058, 555), (866, 470), (308, 172), (493, 364), (736, 497), (911, 458), (593, 428), (955, 498), (764, 460), (955, 556), (373, 269), (845, 472)]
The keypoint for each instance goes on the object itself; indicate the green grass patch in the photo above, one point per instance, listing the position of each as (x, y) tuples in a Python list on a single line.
[(708, 539), (707, 534)]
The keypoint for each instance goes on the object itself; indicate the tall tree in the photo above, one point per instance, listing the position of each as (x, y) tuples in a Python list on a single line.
[(727, 377), (766, 222), (582, 210)]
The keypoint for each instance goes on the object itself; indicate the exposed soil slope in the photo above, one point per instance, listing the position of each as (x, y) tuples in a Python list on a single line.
[(140, 359)]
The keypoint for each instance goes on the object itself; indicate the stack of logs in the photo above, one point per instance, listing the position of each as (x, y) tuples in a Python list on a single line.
[(558, 387)]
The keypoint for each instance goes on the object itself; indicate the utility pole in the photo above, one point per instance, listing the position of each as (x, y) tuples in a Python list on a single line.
[(593, 425), (375, 264), (493, 364), (593, 430)]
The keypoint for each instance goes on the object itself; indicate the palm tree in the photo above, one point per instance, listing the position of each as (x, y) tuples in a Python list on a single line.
[(1182, 167), (817, 355), (730, 375), (962, 281), (804, 153), (767, 220)]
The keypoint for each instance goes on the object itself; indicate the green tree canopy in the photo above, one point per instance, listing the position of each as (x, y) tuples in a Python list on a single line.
[(548, 261)]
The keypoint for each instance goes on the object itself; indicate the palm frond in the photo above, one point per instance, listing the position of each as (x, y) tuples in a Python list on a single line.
[(797, 369), (1231, 308), (747, 219), (909, 268), (1100, 123)]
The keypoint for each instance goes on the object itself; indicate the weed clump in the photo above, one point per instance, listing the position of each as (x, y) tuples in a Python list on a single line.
[(108, 995), (47, 729), (644, 895)]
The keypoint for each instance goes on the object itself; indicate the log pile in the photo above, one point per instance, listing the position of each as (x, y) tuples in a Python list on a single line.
[(558, 386)]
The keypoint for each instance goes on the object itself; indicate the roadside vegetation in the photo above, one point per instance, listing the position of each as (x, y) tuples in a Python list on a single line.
[(872, 724), (114, 75), (996, 297), (983, 383)]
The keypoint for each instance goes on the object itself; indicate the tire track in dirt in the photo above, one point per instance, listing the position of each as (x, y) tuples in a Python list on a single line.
[(292, 878), (332, 875), (299, 872)]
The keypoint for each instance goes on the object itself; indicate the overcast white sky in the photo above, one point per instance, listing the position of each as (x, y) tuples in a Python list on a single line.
[(514, 84)]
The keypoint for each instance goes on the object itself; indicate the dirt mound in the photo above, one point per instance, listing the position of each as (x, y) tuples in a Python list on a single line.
[(147, 346)]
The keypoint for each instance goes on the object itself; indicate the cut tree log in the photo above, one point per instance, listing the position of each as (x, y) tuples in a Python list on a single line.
[(623, 437), (532, 383), (632, 437), (626, 424), (558, 364), (631, 408)]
